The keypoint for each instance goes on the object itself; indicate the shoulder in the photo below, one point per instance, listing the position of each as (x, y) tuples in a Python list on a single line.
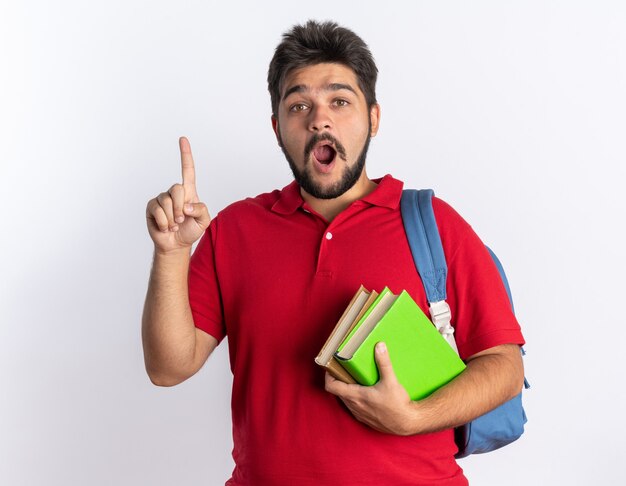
[(266, 207), (233, 221), (250, 205), (445, 214), (454, 230)]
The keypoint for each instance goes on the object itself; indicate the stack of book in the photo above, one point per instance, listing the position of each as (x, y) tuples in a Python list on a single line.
[(422, 359)]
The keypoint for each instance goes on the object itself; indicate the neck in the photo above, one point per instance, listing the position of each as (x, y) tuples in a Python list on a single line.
[(330, 208)]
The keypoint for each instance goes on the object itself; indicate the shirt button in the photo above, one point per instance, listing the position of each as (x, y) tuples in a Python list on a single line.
[(329, 236)]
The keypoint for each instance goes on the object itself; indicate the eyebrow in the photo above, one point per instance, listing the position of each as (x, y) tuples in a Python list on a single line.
[(302, 88)]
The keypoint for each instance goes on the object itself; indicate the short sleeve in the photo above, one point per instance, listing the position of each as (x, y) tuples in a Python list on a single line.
[(204, 291), (481, 312)]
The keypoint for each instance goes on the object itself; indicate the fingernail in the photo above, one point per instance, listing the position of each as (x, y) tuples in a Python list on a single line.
[(175, 228), (189, 207), (381, 348), (180, 219)]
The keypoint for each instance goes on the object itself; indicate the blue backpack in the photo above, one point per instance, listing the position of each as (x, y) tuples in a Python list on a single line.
[(504, 424)]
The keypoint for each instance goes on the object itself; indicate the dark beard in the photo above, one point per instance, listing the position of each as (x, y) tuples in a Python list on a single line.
[(348, 180)]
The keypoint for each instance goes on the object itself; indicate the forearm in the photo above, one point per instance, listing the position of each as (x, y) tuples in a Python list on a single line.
[(168, 331), (488, 381)]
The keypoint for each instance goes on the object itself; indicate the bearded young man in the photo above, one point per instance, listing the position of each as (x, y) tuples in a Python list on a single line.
[(274, 273)]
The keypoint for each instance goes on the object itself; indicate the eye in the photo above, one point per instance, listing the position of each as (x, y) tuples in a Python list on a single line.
[(341, 102), (298, 107)]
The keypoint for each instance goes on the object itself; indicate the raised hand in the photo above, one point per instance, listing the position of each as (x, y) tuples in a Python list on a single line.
[(177, 218)]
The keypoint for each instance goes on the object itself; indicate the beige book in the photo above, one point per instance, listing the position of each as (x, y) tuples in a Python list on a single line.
[(353, 313)]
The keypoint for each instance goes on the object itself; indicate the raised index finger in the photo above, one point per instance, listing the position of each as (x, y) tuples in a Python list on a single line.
[(189, 171)]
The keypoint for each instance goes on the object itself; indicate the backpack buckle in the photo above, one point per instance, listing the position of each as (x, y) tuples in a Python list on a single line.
[(441, 316)]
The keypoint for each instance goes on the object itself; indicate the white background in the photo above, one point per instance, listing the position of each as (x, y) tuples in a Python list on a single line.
[(515, 112)]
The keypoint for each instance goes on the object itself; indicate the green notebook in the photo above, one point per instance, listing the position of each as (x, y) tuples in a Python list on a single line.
[(422, 359)]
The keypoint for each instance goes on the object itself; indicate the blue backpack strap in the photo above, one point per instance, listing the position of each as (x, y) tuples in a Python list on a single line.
[(421, 230), (504, 424)]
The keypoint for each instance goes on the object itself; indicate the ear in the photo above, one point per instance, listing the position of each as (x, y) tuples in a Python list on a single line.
[(374, 119), (276, 130)]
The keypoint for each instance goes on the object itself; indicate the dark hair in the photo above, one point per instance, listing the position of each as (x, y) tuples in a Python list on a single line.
[(314, 43)]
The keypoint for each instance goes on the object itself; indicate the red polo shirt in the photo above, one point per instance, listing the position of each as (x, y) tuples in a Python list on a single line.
[(275, 277)]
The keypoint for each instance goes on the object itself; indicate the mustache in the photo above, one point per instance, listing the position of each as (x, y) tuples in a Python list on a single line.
[(324, 136)]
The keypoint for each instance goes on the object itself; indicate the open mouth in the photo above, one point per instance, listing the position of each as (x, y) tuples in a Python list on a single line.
[(324, 154)]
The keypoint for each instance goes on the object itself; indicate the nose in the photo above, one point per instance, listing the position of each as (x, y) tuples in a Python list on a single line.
[(320, 119)]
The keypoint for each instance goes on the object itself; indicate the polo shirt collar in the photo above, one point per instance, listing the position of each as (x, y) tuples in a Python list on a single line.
[(289, 199), (387, 195)]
